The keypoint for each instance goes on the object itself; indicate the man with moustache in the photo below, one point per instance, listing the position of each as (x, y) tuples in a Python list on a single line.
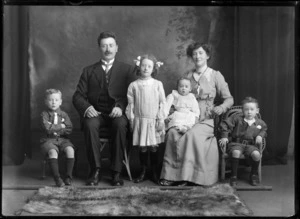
[(100, 98)]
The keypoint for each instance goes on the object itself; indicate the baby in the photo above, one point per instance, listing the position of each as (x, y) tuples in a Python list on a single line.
[(186, 107)]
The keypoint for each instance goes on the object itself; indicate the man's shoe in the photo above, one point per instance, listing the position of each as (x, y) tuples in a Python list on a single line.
[(68, 181), (94, 180), (233, 181), (59, 182), (117, 181), (254, 181)]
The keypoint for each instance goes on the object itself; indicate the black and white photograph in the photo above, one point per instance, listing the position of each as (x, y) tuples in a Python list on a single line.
[(158, 110)]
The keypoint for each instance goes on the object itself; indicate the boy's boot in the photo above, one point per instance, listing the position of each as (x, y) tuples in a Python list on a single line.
[(143, 161), (254, 180), (153, 159), (234, 168), (70, 165), (55, 171)]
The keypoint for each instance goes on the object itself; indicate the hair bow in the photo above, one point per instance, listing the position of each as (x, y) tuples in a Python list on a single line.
[(158, 64), (137, 61)]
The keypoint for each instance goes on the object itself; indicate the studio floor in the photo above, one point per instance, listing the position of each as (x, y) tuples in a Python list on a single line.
[(276, 202)]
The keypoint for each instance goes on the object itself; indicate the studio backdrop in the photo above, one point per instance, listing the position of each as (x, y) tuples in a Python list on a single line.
[(253, 47)]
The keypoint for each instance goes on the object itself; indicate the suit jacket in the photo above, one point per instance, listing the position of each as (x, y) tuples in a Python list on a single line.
[(92, 84)]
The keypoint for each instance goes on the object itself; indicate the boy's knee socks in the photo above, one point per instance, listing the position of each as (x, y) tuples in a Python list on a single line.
[(234, 166), (54, 167), (70, 165), (254, 167)]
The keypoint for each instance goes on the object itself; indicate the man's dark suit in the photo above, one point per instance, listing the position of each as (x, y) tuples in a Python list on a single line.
[(93, 89)]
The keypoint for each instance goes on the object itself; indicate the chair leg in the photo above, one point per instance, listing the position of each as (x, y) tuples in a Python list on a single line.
[(223, 165), (259, 171), (44, 164), (126, 163)]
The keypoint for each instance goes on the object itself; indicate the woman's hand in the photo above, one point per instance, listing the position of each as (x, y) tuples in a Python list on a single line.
[(223, 141), (218, 110)]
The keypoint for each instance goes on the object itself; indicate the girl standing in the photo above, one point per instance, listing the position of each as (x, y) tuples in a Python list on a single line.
[(145, 111)]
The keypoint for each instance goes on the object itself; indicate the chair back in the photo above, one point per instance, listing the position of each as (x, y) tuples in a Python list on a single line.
[(235, 110)]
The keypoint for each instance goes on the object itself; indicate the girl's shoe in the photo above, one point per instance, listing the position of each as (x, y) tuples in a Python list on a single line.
[(59, 182), (165, 182), (141, 176)]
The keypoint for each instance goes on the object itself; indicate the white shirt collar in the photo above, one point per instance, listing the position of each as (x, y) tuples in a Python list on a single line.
[(250, 122), (107, 63)]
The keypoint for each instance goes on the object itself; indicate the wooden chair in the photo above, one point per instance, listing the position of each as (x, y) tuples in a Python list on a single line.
[(105, 140), (224, 156)]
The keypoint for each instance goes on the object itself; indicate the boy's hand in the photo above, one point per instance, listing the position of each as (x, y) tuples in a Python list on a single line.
[(223, 141), (258, 140), (63, 125)]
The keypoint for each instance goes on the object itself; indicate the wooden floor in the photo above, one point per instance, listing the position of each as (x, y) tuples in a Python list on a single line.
[(20, 182)]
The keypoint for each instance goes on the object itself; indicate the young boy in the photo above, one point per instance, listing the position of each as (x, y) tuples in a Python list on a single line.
[(57, 126), (247, 131)]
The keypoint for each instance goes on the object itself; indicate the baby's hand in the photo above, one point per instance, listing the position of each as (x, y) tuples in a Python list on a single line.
[(258, 140), (223, 141), (63, 125), (182, 129)]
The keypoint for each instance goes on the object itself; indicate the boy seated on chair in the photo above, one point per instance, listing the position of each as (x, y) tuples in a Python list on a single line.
[(57, 126), (247, 132)]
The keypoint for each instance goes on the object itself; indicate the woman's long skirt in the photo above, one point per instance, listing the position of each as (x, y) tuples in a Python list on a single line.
[(192, 157)]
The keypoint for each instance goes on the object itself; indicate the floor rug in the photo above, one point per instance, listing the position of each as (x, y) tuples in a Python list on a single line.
[(218, 200)]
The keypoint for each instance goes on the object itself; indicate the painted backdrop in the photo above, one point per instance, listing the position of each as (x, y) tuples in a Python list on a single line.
[(63, 40)]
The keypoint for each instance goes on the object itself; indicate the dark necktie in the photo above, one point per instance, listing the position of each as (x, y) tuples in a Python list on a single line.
[(107, 65)]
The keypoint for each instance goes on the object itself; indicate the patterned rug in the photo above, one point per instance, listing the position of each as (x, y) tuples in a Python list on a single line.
[(218, 200)]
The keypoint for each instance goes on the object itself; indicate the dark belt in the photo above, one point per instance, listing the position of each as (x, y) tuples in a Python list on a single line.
[(243, 141)]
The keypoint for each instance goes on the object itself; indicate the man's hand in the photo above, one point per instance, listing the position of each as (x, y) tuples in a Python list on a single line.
[(116, 112), (258, 140), (218, 110), (92, 112), (223, 141)]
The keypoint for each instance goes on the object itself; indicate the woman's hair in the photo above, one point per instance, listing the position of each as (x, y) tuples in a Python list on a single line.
[(181, 79), (52, 91), (196, 45), (106, 34), (250, 100), (155, 67)]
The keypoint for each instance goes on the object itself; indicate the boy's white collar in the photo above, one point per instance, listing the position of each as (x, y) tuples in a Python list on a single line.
[(250, 122)]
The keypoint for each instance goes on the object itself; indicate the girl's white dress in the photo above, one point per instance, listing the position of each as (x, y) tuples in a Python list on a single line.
[(146, 103), (186, 109)]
